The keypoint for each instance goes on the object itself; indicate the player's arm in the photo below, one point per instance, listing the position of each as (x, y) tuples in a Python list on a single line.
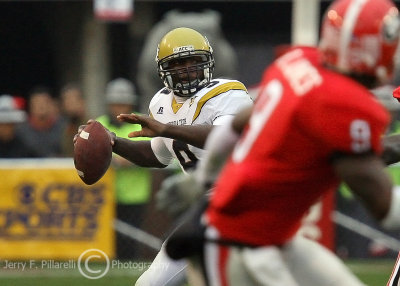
[(391, 152), (195, 135), (138, 152), (366, 177), (219, 146)]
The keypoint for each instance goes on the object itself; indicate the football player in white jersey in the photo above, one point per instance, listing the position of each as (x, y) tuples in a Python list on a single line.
[(181, 116)]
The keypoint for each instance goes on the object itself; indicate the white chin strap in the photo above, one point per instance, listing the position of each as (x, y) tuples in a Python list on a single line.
[(349, 22)]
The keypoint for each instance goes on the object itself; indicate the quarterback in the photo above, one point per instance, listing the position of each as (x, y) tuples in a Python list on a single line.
[(181, 115)]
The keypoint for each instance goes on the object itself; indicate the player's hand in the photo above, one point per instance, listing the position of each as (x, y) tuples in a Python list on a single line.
[(150, 126), (178, 193), (90, 121), (391, 149)]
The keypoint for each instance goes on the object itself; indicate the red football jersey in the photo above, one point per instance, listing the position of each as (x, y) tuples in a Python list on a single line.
[(304, 115)]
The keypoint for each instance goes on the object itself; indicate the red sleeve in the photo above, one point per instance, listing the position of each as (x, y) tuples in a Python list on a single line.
[(346, 117)]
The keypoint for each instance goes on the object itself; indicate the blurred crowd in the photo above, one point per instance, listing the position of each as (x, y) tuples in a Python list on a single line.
[(43, 124)]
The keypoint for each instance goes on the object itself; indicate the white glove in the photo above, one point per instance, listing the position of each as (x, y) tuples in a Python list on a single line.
[(178, 193)]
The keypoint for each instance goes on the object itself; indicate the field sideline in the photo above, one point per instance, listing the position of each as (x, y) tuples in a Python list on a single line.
[(372, 272)]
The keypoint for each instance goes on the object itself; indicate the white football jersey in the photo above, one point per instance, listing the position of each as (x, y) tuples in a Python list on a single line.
[(219, 99)]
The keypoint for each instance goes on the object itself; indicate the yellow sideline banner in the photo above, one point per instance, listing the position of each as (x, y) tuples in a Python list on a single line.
[(47, 212)]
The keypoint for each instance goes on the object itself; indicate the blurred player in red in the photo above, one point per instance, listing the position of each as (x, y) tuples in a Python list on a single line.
[(313, 125)]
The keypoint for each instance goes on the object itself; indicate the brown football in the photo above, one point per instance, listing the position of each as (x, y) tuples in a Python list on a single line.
[(92, 153)]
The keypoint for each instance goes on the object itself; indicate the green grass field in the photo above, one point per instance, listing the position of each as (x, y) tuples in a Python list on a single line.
[(372, 272)]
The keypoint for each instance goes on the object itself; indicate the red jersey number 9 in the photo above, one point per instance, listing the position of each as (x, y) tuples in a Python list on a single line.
[(360, 134)]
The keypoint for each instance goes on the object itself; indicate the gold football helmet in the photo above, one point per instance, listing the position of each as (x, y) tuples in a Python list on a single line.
[(185, 61)]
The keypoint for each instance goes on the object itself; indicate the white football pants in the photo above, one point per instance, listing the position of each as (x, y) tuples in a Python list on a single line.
[(301, 262), (164, 271)]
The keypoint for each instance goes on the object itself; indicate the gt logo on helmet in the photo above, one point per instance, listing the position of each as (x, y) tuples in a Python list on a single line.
[(183, 49)]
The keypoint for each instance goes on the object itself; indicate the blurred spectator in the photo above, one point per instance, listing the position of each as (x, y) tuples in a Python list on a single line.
[(133, 184), (12, 145), (207, 23), (43, 130), (73, 109)]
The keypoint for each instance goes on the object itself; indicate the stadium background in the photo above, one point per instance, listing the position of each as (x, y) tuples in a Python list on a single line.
[(53, 42)]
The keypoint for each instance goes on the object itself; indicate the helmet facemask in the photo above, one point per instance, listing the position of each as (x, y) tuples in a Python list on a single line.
[(187, 80)]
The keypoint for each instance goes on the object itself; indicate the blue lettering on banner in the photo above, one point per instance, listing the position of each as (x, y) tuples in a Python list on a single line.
[(58, 211)]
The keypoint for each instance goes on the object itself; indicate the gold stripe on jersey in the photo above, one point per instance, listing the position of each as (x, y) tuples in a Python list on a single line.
[(175, 105), (215, 92), (151, 114)]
